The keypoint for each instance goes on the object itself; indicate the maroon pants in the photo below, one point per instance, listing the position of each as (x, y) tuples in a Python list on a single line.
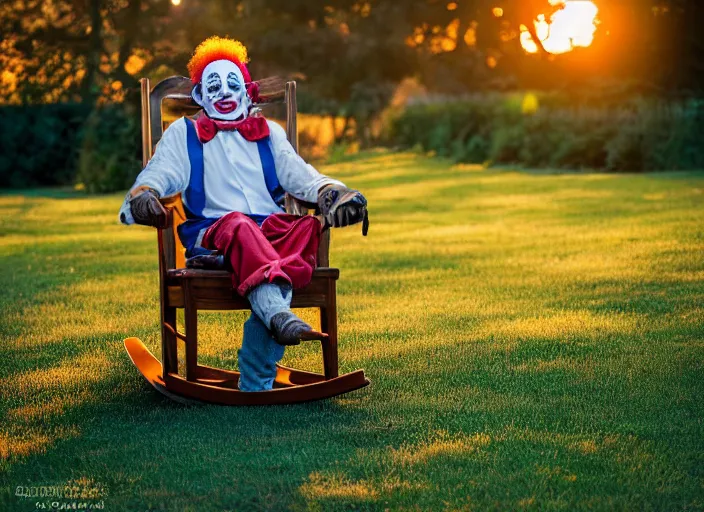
[(285, 247)]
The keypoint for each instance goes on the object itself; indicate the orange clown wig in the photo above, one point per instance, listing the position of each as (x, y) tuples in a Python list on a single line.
[(218, 48)]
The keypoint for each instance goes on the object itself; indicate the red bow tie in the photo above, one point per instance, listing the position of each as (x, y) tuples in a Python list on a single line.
[(252, 128)]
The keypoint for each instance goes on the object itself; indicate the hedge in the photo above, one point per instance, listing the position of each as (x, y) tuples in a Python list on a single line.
[(65, 144), (62, 144), (639, 135)]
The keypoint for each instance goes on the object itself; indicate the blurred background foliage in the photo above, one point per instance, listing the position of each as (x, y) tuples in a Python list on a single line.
[(474, 80), (640, 134)]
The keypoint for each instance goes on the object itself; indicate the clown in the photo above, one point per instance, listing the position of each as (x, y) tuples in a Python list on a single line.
[(233, 170)]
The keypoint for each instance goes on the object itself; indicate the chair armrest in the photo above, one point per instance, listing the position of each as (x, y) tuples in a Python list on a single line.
[(174, 210), (168, 223), (299, 207)]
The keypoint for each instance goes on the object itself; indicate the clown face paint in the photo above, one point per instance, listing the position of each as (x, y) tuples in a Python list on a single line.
[(222, 92)]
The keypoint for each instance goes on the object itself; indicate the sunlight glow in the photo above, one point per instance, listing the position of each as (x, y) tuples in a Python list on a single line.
[(176, 2), (572, 26)]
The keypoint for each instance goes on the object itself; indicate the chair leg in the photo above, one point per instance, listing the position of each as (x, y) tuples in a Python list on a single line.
[(328, 324), (169, 359), (191, 325)]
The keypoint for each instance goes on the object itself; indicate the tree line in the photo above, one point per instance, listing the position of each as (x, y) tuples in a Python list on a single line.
[(351, 53)]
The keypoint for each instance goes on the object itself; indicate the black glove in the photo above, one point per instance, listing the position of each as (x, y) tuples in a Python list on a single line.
[(147, 210), (341, 206), (213, 261)]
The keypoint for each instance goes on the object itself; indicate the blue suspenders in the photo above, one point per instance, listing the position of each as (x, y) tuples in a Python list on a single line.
[(195, 192), (190, 231), (272, 181)]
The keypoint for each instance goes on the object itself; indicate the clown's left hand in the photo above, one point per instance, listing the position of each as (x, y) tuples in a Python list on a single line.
[(341, 206), (146, 209)]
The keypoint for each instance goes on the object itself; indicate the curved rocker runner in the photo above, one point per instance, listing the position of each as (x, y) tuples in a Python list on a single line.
[(215, 189)]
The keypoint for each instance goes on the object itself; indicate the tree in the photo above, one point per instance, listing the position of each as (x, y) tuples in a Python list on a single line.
[(77, 49), (350, 51)]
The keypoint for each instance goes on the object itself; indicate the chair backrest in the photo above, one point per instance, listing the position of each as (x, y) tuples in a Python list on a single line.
[(169, 100)]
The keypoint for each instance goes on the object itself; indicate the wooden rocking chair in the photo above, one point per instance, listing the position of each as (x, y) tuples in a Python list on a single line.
[(194, 290)]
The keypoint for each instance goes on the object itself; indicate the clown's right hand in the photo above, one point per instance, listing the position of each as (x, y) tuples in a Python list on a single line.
[(145, 208)]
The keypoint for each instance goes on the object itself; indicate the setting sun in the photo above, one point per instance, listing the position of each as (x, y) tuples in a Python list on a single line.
[(572, 26)]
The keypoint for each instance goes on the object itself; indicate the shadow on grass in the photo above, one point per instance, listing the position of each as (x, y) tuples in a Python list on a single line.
[(90, 414), (548, 417), (475, 408)]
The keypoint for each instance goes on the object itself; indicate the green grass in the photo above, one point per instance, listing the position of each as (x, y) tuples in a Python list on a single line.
[(534, 341)]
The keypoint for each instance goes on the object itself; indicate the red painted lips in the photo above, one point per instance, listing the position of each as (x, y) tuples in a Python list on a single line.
[(225, 106)]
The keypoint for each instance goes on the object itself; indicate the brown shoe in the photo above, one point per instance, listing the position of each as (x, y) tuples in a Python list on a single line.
[(288, 329)]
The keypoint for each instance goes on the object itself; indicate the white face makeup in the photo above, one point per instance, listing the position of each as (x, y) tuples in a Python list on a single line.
[(222, 92)]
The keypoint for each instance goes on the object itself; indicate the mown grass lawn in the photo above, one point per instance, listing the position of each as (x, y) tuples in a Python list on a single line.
[(534, 341)]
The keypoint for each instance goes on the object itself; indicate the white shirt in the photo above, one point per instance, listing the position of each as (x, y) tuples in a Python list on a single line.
[(233, 172)]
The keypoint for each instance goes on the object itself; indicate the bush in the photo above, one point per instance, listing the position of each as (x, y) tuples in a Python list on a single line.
[(506, 144), (39, 144), (108, 158), (586, 134), (673, 136), (458, 129), (542, 136), (657, 137), (49, 145), (626, 150), (634, 135), (475, 150)]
